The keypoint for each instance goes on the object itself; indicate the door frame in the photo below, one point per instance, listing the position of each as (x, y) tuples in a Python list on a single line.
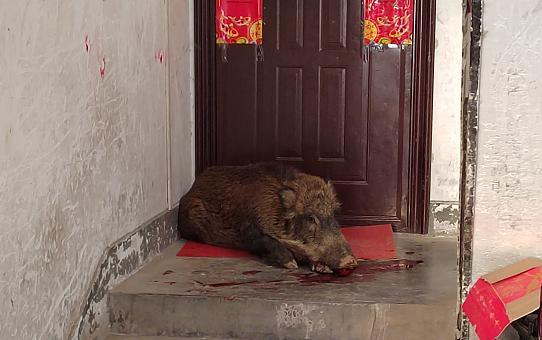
[(472, 37), (421, 110)]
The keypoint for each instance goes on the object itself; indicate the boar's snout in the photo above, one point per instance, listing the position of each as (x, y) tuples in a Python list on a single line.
[(339, 255), (336, 252), (319, 242)]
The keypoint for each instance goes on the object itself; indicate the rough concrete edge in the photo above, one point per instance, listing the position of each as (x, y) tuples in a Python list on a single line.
[(444, 218), (294, 313), (472, 36), (121, 259)]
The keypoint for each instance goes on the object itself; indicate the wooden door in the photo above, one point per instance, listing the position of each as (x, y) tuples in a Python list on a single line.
[(319, 100)]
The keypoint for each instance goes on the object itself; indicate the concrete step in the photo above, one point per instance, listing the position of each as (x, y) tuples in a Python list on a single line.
[(135, 337), (244, 299)]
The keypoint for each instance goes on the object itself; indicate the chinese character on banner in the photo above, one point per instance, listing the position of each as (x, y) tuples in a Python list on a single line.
[(239, 22), (388, 21)]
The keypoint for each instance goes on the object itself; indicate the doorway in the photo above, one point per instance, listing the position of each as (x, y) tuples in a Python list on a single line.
[(318, 99)]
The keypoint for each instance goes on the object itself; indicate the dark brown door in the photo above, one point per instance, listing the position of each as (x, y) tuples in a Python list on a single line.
[(317, 99)]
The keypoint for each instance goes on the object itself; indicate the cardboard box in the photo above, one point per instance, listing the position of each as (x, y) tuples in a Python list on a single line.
[(503, 296)]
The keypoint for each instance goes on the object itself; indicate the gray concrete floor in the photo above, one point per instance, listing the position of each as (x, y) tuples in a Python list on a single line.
[(135, 337), (413, 297)]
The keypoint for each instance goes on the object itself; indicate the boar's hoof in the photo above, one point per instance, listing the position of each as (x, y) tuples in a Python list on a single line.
[(321, 268), (291, 265), (349, 262)]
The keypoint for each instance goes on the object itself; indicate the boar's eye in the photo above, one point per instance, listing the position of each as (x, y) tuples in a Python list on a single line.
[(309, 234), (314, 219)]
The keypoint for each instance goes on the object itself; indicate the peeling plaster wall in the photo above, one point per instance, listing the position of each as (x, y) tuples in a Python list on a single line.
[(444, 218), (447, 102), (87, 117), (507, 224)]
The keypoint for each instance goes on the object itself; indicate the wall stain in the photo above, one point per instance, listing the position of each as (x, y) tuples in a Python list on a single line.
[(444, 218), (447, 213), (8, 136)]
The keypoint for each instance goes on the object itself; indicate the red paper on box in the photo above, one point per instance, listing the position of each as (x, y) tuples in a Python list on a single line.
[(503, 296), (239, 22)]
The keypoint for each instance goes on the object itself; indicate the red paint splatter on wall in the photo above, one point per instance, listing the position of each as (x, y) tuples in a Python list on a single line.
[(87, 44), (159, 56), (102, 68)]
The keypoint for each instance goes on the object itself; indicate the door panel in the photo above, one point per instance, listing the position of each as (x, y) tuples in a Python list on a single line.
[(334, 24), (288, 113), (331, 115), (237, 103), (383, 196), (320, 102), (289, 26)]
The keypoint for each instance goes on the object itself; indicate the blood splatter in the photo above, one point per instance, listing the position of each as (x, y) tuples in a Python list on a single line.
[(240, 283), (87, 44), (365, 271), (170, 282), (102, 68), (345, 271), (389, 265), (229, 284), (159, 56), (252, 272)]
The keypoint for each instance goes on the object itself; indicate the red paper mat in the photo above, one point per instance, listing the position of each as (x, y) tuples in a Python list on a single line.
[(367, 242), (372, 242)]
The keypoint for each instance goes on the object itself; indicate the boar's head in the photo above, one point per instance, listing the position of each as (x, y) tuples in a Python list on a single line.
[(312, 233)]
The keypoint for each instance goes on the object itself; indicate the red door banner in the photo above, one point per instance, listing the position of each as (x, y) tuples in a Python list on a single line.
[(239, 22), (388, 22)]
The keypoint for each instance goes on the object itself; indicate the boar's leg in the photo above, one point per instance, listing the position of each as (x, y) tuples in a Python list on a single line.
[(270, 250)]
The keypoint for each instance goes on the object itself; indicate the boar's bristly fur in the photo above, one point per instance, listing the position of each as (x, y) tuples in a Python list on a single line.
[(274, 211)]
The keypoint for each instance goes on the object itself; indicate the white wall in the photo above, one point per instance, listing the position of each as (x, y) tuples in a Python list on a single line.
[(508, 217), (181, 97), (83, 158), (445, 163), (445, 158)]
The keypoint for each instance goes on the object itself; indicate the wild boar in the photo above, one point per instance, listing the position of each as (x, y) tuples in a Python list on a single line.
[(280, 214)]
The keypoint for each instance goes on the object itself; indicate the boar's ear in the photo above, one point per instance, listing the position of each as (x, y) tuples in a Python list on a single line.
[(331, 186), (287, 198)]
